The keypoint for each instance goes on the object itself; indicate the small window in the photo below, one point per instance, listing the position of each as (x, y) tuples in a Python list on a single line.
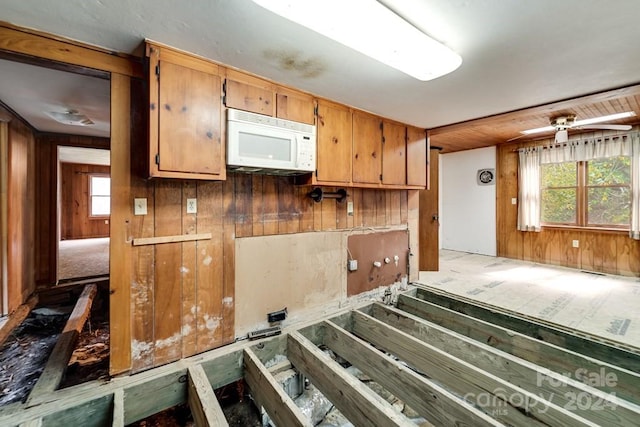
[(595, 193), (100, 195)]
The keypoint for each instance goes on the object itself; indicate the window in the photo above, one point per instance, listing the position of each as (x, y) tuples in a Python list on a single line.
[(100, 195), (594, 193)]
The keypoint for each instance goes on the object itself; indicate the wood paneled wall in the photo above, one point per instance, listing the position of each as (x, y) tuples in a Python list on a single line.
[(76, 221), (185, 304), (46, 201), (20, 215), (601, 251)]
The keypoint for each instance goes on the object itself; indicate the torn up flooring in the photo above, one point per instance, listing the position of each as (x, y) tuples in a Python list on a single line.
[(599, 304), (451, 361)]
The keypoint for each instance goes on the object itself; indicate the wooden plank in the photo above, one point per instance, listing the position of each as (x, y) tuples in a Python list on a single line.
[(143, 279), (613, 354), (368, 208), (170, 239), (507, 403), (33, 423), (355, 400), (56, 366), (270, 394), (17, 317), (118, 408), (244, 209), (535, 379), (202, 400), (168, 274), (229, 263), (120, 250), (306, 209), (209, 267), (528, 348), (26, 42), (328, 213), (288, 221), (430, 400), (270, 205), (257, 206), (189, 273), (381, 207), (166, 384)]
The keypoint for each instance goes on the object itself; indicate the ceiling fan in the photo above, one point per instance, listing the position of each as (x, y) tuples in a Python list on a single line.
[(561, 125)]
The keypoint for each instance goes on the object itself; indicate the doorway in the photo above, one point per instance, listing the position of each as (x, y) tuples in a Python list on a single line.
[(84, 200)]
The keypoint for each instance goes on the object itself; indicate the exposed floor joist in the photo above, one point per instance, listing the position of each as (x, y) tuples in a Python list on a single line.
[(54, 370), (17, 317), (472, 373)]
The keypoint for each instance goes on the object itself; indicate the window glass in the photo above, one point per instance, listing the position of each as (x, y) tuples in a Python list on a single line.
[(100, 195)]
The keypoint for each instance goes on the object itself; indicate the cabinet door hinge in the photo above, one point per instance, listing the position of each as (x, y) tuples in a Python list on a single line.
[(158, 159), (315, 111), (381, 126), (224, 92), (316, 173), (383, 139), (380, 177), (158, 70)]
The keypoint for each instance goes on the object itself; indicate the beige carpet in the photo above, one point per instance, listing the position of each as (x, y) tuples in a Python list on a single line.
[(83, 258), (603, 305)]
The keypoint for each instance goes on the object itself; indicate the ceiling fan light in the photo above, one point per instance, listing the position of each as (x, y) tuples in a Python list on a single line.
[(562, 136), (538, 130), (70, 117), (381, 35)]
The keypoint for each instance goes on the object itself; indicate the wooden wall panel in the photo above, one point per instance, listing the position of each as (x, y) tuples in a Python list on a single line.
[(600, 251), (20, 213), (75, 219)]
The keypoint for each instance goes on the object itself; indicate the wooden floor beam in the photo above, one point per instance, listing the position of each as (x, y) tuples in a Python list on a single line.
[(352, 398), (279, 406), (598, 348), (505, 402), (56, 366), (429, 399), (553, 357), (551, 386), (17, 317), (202, 400), (118, 408)]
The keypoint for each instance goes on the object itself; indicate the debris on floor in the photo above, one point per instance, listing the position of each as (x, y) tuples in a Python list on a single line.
[(24, 354), (90, 359)]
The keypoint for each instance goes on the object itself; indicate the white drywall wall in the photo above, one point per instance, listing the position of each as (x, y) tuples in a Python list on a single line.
[(468, 210)]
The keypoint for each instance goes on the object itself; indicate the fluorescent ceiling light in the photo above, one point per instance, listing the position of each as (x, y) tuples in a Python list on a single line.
[(374, 30), (585, 122)]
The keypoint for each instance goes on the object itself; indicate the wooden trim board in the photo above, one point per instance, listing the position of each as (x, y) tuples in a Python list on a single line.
[(170, 239)]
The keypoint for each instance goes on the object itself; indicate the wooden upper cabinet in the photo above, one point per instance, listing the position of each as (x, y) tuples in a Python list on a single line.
[(249, 93), (185, 139), (333, 162), (367, 148), (394, 153), (296, 106), (416, 156)]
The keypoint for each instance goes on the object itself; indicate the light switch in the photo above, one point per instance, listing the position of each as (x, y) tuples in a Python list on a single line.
[(514, 201), (139, 206), (192, 206), (350, 208)]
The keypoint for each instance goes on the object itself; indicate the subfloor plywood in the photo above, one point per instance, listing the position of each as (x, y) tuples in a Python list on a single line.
[(603, 305), (296, 271)]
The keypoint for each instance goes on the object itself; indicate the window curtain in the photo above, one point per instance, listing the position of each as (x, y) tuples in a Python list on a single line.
[(586, 149), (529, 188), (634, 231)]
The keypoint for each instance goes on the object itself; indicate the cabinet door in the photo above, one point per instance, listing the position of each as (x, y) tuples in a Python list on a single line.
[(249, 93), (296, 106), (185, 118), (367, 144), (416, 157), (394, 159), (334, 143)]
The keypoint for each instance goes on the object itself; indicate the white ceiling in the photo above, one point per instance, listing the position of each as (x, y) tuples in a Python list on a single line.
[(85, 156), (515, 54)]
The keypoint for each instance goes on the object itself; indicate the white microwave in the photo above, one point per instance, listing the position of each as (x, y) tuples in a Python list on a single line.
[(262, 144)]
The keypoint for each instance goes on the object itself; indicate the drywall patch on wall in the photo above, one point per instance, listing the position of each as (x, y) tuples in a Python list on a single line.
[(468, 220), (298, 271)]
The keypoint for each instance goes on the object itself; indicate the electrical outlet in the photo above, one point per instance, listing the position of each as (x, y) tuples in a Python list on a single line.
[(514, 201), (576, 243), (352, 265), (139, 206), (192, 206)]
